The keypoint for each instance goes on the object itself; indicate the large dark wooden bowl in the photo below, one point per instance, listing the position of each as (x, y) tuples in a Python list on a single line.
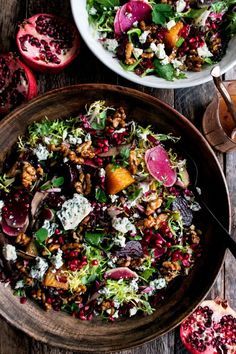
[(183, 295)]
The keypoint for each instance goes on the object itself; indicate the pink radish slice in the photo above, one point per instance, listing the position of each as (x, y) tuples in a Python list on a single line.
[(11, 231), (133, 11), (159, 166), (120, 273), (117, 28)]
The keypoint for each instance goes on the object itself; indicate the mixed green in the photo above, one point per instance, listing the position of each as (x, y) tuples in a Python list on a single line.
[(97, 215)]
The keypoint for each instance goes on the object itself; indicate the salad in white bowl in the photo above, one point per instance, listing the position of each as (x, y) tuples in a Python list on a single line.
[(166, 44)]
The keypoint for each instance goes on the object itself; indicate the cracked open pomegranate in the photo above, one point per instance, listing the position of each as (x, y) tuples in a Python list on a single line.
[(17, 83), (48, 43), (211, 329)]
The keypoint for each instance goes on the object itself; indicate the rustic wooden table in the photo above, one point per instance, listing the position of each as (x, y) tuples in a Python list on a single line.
[(191, 102)]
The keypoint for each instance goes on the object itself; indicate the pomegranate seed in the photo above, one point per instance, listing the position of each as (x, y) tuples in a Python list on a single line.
[(94, 262), (23, 300), (57, 232)]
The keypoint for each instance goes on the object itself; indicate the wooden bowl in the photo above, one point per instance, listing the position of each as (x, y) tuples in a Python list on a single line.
[(183, 295)]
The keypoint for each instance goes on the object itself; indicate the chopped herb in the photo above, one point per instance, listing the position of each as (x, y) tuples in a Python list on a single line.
[(135, 194), (136, 31), (179, 42), (57, 182), (5, 182), (100, 195), (108, 3), (193, 13), (94, 238), (130, 67), (148, 273)]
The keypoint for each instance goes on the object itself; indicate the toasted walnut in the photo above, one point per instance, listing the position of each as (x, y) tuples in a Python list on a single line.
[(193, 61), (133, 162), (29, 281), (155, 222), (22, 239), (53, 147), (142, 25), (84, 184), (81, 289), (53, 247), (124, 262), (136, 262), (21, 267), (29, 174), (106, 304), (75, 246), (171, 265), (153, 206), (118, 118), (85, 150), (47, 306), (147, 55), (128, 53), (39, 171)]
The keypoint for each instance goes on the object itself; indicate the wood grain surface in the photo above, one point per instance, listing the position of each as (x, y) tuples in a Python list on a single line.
[(86, 69)]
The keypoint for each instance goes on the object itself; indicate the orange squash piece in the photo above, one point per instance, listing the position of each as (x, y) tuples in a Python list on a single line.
[(117, 179), (53, 280), (172, 35)]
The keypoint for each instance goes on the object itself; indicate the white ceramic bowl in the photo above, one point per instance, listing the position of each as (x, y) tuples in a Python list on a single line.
[(193, 78)]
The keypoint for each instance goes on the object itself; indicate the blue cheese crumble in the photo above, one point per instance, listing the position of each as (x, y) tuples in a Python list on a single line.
[(41, 152), (56, 259), (40, 268), (9, 252), (123, 225), (73, 211)]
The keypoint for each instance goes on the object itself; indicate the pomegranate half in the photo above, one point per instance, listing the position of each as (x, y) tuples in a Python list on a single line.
[(211, 329), (48, 43), (17, 83)]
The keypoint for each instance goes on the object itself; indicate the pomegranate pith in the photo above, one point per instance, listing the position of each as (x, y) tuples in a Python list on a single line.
[(211, 329), (17, 83), (48, 43)]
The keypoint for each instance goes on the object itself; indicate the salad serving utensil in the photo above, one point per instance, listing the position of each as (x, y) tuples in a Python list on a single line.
[(193, 169)]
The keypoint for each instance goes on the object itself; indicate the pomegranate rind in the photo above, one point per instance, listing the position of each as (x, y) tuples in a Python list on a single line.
[(220, 308), (31, 57), (159, 166), (120, 273), (28, 89), (133, 11)]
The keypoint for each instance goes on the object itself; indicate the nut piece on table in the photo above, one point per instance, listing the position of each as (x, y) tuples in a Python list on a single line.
[(55, 280)]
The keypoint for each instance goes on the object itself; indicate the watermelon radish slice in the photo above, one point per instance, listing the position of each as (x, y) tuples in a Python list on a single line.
[(120, 273), (12, 231), (131, 12), (117, 28), (159, 166)]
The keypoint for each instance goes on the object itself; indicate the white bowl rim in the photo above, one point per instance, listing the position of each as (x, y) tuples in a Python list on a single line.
[(194, 78)]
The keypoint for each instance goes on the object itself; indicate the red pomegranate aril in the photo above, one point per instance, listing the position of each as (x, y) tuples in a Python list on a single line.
[(48, 43), (94, 262), (18, 83), (23, 300)]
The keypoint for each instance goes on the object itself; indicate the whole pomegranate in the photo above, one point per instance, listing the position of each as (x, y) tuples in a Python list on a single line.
[(17, 83), (211, 329), (47, 43)]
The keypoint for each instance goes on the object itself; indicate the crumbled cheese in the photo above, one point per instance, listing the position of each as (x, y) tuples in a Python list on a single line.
[(121, 130), (153, 47), (74, 140), (73, 211), (180, 5), (134, 285), (143, 37), (92, 11), (160, 52), (113, 198), (132, 311), (135, 24), (198, 189), (137, 52), (40, 268), (41, 152), (120, 241), (204, 51), (195, 206), (176, 63), (9, 252), (201, 20), (158, 283), (1, 206), (165, 61), (110, 45), (19, 284), (102, 172), (56, 259), (50, 227), (123, 225), (170, 24)]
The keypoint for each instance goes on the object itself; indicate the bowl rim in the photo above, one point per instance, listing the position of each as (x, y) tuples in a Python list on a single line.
[(155, 101), (160, 83)]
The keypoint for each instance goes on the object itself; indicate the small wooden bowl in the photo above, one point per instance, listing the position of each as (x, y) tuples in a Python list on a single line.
[(183, 295)]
